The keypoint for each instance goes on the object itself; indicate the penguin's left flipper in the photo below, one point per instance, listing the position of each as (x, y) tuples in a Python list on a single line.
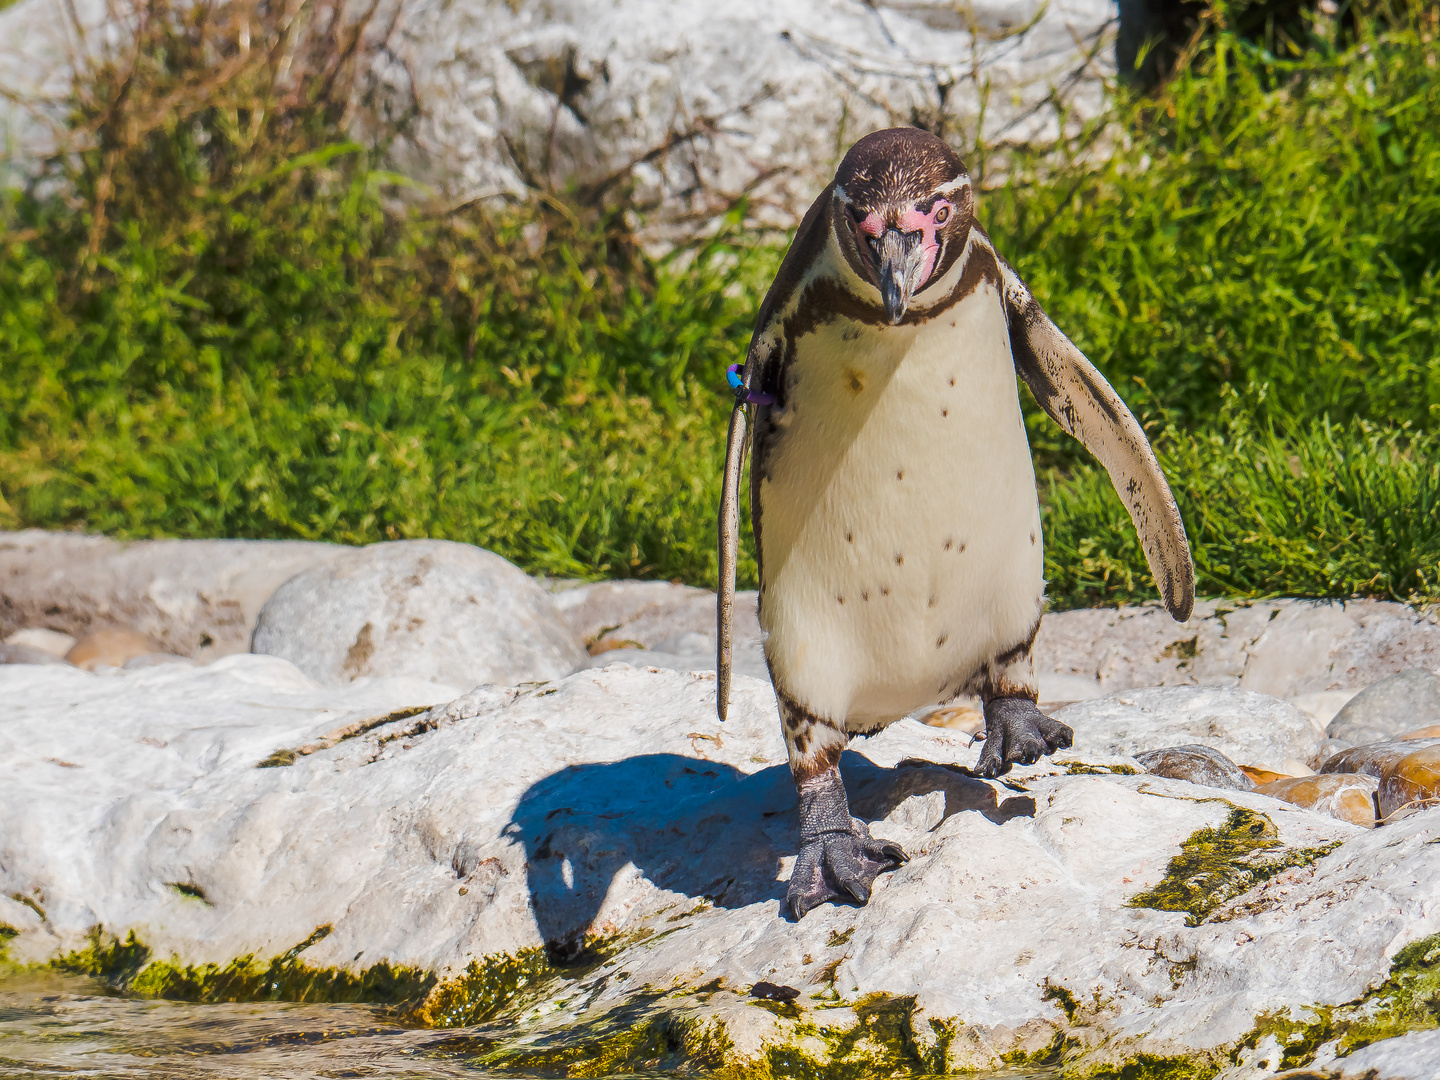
[(729, 550), (1018, 733), (1078, 398)]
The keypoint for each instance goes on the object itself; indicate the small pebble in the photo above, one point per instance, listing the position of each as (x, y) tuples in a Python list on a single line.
[(26, 654), (1197, 764), (768, 991), (1260, 776), (1414, 780), (1431, 731), (110, 647), (960, 718), (1347, 796), (38, 637)]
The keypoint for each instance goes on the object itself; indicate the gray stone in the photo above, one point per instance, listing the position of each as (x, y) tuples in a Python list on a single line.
[(1390, 707), (1197, 764), (1373, 759), (431, 609), (196, 598), (1248, 728), (27, 654)]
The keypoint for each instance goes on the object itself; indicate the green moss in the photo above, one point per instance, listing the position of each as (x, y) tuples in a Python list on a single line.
[(485, 988), (880, 1044), (1080, 768), (1408, 1000), (127, 965), (1152, 1067), (1216, 865), (629, 1038)]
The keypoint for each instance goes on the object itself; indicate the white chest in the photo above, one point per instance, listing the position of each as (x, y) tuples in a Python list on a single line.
[(900, 534)]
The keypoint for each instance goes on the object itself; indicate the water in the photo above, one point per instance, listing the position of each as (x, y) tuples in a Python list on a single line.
[(63, 1026), (53, 1026)]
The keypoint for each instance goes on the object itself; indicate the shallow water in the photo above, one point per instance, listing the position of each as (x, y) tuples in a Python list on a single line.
[(54, 1026)]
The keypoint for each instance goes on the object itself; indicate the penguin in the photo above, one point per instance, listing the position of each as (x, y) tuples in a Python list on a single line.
[(892, 491)]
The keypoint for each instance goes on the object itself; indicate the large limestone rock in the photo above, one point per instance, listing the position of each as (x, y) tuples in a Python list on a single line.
[(660, 624), (196, 598), (1248, 728), (1285, 648), (239, 809), (433, 609), (750, 97)]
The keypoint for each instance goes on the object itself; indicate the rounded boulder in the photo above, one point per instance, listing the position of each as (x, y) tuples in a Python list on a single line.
[(432, 609)]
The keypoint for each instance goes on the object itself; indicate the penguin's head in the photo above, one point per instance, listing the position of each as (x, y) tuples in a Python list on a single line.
[(904, 210)]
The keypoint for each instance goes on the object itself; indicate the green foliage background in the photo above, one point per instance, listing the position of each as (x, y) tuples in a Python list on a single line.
[(222, 322)]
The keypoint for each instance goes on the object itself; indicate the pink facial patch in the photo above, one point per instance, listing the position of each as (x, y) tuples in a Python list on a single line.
[(925, 224), (873, 225)]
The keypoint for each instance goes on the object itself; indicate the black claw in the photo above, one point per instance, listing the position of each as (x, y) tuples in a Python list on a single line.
[(840, 866), (1018, 732)]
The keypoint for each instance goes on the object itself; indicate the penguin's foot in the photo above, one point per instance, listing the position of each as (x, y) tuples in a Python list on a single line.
[(839, 859), (840, 867), (1018, 732)]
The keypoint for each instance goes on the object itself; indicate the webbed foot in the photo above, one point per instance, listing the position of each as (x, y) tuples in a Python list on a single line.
[(839, 859), (1016, 731)]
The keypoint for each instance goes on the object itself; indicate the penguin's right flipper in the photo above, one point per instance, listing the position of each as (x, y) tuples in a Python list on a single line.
[(729, 548), (1078, 398)]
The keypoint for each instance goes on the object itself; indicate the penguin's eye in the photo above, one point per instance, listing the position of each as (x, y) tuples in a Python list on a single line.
[(942, 215)]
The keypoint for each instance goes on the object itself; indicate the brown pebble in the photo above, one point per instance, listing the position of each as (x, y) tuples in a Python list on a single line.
[(768, 991), (1430, 732), (1347, 796), (110, 647), (1413, 781), (1373, 759), (1263, 776), (960, 718)]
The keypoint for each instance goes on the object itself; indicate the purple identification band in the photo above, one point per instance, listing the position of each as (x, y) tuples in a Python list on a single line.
[(752, 397)]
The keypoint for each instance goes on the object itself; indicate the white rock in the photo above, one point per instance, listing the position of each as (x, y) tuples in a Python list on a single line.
[(196, 598), (1285, 648), (759, 96), (431, 609), (614, 803), (1248, 728), (1409, 1057)]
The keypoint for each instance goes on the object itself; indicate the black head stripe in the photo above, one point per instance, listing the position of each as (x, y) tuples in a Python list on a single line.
[(897, 165)]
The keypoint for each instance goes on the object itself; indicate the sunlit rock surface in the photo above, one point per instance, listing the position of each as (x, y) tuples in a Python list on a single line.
[(699, 103), (197, 598), (1248, 728), (609, 820), (431, 609)]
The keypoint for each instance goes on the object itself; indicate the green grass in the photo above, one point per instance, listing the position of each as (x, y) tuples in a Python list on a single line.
[(220, 323)]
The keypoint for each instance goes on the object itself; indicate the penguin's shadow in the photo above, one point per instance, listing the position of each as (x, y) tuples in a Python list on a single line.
[(698, 828)]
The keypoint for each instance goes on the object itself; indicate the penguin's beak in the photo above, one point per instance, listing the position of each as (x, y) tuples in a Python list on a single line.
[(900, 255)]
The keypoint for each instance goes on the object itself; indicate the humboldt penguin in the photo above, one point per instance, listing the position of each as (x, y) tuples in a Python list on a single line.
[(892, 493)]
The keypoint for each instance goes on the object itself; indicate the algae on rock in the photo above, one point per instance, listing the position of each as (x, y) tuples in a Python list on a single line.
[(1215, 865)]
